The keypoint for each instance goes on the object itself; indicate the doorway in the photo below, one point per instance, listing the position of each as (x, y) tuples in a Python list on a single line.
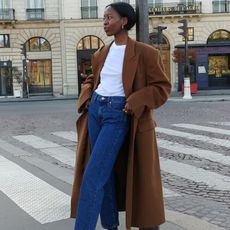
[(6, 79)]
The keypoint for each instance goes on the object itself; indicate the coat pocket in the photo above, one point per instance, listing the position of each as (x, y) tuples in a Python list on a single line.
[(145, 125)]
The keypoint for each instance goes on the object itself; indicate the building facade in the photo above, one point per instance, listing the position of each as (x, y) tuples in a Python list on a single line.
[(51, 42)]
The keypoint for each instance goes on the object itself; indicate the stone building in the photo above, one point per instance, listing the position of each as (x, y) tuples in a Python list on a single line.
[(52, 42)]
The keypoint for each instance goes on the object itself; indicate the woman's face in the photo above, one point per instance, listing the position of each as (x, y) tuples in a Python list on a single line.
[(113, 21)]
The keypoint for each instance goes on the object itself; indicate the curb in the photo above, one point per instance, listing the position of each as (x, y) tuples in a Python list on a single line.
[(33, 99)]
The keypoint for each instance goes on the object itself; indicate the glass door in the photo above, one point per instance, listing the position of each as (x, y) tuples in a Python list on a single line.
[(6, 81)]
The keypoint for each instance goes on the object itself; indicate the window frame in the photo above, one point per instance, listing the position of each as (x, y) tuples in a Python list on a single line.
[(6, 42)]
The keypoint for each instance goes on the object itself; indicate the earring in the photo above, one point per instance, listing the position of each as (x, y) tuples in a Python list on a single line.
[(122, 27)]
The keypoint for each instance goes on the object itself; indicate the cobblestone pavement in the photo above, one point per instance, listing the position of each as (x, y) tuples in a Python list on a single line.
[(197, 198), (194, 159)]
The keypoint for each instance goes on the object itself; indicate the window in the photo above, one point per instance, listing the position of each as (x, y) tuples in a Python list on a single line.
[(4, 40), (127, 1), (220, 6), (40, 75), (6, 13), (89, 9), (35, 10), (155, 3), (37, 44), (190, 33), (90, 42), (219, 36), (35, 4)]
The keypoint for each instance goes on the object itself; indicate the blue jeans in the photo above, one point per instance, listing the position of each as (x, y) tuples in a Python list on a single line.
[(108, 126)]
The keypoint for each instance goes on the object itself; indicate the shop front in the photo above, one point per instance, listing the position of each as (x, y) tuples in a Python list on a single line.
[(211, 68)]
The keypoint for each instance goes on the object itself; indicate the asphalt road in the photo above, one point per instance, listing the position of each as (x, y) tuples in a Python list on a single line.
[(194, 143)]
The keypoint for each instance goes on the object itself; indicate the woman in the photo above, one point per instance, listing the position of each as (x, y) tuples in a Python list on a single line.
[(117, 165)]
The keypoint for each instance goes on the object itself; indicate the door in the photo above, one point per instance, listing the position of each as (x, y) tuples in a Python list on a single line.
[(6, 81)]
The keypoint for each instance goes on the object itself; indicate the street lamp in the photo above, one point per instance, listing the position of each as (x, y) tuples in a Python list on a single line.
[(184, 33), (142, 25), (25, 70)]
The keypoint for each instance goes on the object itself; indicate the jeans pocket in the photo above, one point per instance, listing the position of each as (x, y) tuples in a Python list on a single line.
[(116, 106)]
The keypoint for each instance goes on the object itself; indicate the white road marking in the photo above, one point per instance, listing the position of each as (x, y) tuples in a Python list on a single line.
[(221, 123), (169, 193), (40, 200), (69, 135), (12, 149), (197, 152), (212, 179), (52, 149), (204, 128), (190, 136), (36, 142)]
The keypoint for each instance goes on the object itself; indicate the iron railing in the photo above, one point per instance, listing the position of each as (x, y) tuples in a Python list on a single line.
[(35, 13), (7, 14), (175, 8)]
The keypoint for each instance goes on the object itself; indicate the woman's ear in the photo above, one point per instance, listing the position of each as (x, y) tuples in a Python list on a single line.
[(124, 21)]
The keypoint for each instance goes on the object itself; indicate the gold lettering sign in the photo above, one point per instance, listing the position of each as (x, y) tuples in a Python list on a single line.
[(193, 8)]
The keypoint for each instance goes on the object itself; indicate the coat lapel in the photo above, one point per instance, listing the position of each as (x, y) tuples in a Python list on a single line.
[(129, 67)]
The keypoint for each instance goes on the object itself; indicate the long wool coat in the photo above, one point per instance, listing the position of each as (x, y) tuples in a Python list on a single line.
[(138, 179)]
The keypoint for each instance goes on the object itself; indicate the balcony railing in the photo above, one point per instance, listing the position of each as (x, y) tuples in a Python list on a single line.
[(35, 13), (89, 12), (175, 8), (7, 14), (221, 6)]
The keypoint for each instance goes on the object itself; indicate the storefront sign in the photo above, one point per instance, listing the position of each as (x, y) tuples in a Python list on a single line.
[(201, 69), (175, 9)]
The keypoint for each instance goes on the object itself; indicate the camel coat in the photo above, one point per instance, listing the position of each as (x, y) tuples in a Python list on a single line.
[(138, 179)]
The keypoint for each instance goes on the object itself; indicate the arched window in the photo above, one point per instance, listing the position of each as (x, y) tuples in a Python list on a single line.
[(219, 36), (37, 44), (90, 42)]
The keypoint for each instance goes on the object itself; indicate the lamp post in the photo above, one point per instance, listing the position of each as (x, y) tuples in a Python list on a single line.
[(142, 25), (25, 70), (184, 33)]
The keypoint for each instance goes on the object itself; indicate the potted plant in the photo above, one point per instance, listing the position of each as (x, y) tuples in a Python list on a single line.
[(17, 75)]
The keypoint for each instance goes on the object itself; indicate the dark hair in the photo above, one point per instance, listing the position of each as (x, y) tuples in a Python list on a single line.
[(125, 10)]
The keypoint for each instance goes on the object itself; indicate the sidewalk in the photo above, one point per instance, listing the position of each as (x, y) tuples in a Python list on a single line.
[(200, 96), (203, 96)]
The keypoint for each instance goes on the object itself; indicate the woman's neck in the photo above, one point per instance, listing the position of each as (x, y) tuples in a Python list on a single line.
[(121, 38)]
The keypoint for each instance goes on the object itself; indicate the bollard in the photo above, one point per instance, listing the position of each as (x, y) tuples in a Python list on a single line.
[(187, 89)]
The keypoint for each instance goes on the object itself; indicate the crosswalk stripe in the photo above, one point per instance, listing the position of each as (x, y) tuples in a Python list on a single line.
[(12, 149), (69, 135), (203, 128), (57, 152), (213, 180), (36, 142), (52, 149), (215, 141), (197, 152), (36, 197), (169, 193), (221, 123)]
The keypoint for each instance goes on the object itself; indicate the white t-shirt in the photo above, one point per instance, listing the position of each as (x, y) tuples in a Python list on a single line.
[(111, 73)]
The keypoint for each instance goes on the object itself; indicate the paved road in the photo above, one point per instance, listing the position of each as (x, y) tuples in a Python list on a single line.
[(37, 151)]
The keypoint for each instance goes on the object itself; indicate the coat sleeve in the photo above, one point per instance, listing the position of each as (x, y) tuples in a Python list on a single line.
[(86, 93), (157, 88)]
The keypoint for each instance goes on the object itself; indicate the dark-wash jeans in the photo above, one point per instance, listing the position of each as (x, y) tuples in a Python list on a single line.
[(108, 126)]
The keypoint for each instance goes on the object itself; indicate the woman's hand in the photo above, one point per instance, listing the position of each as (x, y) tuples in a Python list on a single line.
[(128, 109)]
